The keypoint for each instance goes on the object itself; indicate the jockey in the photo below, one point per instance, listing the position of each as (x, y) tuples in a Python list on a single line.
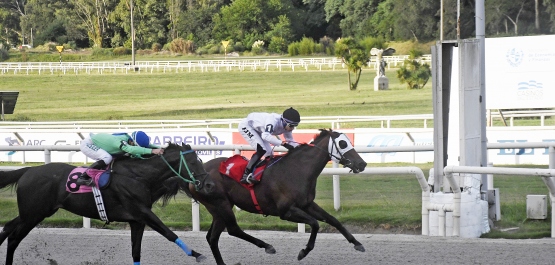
[(260, 130), (102, 146)]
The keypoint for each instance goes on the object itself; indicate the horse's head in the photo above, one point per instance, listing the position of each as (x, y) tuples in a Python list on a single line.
[(341, 150), (189, 167)]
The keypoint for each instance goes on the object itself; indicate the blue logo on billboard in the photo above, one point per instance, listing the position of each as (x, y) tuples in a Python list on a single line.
[(514, 57), (522, 151), (385, 140), (530, 90), (11, 142)]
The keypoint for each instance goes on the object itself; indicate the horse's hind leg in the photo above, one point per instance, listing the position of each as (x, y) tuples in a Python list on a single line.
[(19, 232), (8, 229), (320, 214), (297, 215)]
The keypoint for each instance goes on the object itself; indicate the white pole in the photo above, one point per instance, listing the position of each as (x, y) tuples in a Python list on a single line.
[(196, 216), (336, 189), (86, 222)]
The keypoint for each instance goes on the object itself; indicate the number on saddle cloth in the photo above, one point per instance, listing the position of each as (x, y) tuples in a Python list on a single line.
[(234, 167), (101, 179)]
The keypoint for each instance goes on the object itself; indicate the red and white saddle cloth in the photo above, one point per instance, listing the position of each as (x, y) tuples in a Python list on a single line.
[(235, 166)]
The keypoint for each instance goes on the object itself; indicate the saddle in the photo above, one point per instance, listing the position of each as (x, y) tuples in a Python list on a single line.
[(234, 167), (101, 178)]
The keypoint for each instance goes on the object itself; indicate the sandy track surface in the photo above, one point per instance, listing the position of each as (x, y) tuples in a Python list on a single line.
[(57, 246)]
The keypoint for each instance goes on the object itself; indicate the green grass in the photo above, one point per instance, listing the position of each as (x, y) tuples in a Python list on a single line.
[(205, 95)]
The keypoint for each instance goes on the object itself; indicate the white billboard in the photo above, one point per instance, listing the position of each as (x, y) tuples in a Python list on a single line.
[(519, 72)]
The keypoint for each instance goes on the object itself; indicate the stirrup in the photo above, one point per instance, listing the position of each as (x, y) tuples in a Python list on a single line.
[(251, 179), (84, 181), (245, 178)]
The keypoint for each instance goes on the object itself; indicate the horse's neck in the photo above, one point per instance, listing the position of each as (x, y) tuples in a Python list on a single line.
[(313, 159)]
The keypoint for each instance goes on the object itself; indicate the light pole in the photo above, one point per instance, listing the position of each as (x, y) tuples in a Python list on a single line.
[(132, 38)]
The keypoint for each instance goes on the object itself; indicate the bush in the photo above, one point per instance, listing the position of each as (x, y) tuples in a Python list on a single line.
[(180, 45), (328, 45), (102, 52), (415, 74), (258, 47), (239, 47), (119, 51), (277, 45), (4, 55), (307, 46), (156, 47), (293, 49)]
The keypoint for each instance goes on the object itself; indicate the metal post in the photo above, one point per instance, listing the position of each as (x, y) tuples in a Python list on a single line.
[(336, 190)]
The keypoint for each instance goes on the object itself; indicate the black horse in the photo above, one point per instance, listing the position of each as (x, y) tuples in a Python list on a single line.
[(135, 185), (287, 190)]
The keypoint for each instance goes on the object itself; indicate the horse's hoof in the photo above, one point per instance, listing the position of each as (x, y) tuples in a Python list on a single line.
[(360, 248), (201, 258), (270, 249), (302, 254)]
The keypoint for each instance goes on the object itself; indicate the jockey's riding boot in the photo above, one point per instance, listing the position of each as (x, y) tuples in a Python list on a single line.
[(85, 179), (248, 177)]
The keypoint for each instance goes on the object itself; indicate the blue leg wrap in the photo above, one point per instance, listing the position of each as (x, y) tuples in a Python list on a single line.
[(137, 263), (183, 246)]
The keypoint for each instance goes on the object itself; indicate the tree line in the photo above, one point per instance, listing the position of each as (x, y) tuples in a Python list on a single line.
[(277, 23)]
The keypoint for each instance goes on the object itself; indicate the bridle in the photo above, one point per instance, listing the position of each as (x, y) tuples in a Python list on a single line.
[(182, 162), (337, 154)]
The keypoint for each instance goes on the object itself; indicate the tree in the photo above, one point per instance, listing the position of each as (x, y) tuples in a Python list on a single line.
[(248, 20), (417, 20), (354, 57), (196, 23)]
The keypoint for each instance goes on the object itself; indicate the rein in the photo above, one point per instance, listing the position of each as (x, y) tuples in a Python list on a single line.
[(183, 162)]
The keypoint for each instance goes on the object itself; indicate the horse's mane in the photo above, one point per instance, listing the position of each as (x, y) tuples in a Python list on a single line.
[(317, 138), (170, 187)]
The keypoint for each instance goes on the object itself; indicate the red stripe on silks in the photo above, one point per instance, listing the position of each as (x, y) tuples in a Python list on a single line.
[(255, 201)]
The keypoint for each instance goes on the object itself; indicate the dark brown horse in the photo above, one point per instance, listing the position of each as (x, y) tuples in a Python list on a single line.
[(135, 185), (287, 190)]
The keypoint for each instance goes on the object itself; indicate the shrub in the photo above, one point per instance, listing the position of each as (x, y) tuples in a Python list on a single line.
[(307, 46), (258, 47), (156, 47), (414, 73), (180, 45), (239, 47), (119, 51), (102, 52), (4, 55), (328, 45), (293, 49), (277, 45)]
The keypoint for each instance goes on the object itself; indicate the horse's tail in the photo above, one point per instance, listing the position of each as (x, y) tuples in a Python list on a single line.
[(8, 178)]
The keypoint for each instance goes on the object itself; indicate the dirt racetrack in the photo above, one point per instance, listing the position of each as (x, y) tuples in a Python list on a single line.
[(60, 246)]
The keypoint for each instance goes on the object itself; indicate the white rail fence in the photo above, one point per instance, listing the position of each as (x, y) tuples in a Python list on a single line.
[(546, 174), (335, 122), (247, 64)]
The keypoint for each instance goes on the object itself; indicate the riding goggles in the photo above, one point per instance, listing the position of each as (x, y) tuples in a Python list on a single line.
[(289, 123)]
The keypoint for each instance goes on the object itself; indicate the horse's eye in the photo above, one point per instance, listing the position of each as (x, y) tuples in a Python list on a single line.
[(343, 144)]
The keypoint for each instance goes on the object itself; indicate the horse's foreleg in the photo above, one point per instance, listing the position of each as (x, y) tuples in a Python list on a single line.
[(137, 231), (321, 215), (213, 238), (297, 215), (222, 218), (150, 219)]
